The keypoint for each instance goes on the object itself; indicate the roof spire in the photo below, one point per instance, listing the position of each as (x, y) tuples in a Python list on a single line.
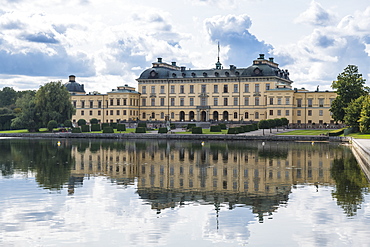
[(218, 64)]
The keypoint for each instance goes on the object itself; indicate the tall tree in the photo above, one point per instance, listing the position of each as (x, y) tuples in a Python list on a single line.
[(28, 118), (353, 112), (349, 86), (365, 115), (53, 103), (8, 96)]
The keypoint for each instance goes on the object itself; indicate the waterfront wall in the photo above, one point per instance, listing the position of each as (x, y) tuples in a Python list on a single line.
[(202, 137), (362, 155)]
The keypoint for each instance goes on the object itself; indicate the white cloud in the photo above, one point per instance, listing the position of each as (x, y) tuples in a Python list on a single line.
[(316, 15)]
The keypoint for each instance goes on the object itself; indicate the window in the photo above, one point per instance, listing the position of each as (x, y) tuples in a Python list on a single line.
[(321, 113), (257, 88), (172, 89), (246, 88), (172, 101), (153, 115), (235, 101), (215, 101), (143, 102), (246, 101), (279, 112), (181, 101), (172, 115), (91, 104), (271, 101), (111, 101), (267, 86), (124, 101), (162, 114), (271, 112), (74, 104), (82, 113), (152, 101), (162, 89), (162, 101), (118, 112), (152, 89), (299, 102), (257, 115), (215, 88), (203, 101), (203, 88), (236, 88), (287, 101), (82, 104), (309, 112), (225, 89), (191, 102), (99, 113), (321, 102), (257, 101), (91, 112), (111, 112), (191, 89), (182, 89), (279, 101), (124, 112), (309, 102), (143, 90), (286, 112), (235, 115), (225, 101), (246, 115), (331, 101), (298, 112)]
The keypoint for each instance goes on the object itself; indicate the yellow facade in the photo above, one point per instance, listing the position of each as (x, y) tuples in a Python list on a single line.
[(170, 92)]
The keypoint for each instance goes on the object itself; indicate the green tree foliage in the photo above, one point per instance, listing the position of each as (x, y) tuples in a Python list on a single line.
[(364, 120), (8, 97), (94, 121), (353, 112), (81, 122), (51, 125), (53, 103), (349, 86), (263, 124), (68, 123), (28, 118)]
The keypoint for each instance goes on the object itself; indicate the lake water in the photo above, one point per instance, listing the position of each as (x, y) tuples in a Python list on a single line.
[(158, 193)]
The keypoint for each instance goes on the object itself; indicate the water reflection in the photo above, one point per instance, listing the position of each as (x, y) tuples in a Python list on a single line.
[(170, 174)]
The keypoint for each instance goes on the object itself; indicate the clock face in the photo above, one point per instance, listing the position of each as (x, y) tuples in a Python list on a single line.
[(152, 74)]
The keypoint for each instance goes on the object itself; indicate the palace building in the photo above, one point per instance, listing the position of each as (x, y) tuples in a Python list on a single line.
[(172, 92)]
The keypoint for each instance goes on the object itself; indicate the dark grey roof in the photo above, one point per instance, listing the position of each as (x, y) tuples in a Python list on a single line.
[(75, 87)]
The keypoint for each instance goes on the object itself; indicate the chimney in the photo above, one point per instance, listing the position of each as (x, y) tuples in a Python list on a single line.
[(173, 63), (159, 60), (72, 78), (183, 68), (262, 56), (271, 59)]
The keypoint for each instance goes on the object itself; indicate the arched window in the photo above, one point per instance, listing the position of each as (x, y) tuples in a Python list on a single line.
[(235, 115), (144, 115), (246, 115)]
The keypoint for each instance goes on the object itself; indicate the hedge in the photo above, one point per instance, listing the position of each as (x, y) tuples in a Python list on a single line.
[(336, 132), (95, 127), (190, 126), (113, 125), (108, 129), (162, 130), (215, 128), (140, 130), (197, 130), (103, 125), (76, 130), (223, 126), (233, 131), (121, 127), (141, 125), (85, 128)]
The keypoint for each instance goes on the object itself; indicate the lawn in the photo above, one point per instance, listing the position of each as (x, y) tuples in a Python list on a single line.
[(23, 131), (306, 132), (205, 131)]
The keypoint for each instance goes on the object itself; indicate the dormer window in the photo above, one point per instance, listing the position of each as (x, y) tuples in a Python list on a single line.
[(227, 74), (174, 75), (193, 74), (217, 74), (183, 74), (204, 74)]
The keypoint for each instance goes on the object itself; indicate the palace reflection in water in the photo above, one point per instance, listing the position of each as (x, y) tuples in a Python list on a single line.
[(169, 174)]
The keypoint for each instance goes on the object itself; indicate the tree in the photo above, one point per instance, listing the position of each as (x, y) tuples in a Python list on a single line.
[(28, 118), (8, 96), (349, 86), (53, 103), (68, 123), (94, 121), (353, 112), (284, 121), (271, 123), (278, 123), (51, 125), (263, 124), (364, 120), (81, 122)]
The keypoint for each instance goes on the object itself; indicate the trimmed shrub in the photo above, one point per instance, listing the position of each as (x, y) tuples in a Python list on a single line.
[(95, 127), (162, 130), (108, 129), (121, 127), (197, 130), (94, 121), (233, 131), (240, 129), (141, 125), (140, 130), (103, 125), (172, 126), (81, 122), (76, 130), (113, 125), (255, 126), (68, 124), (248, 127), (215, 128), (336, 132), (223, 126), (190, 126), (52, 124), (85, 128)]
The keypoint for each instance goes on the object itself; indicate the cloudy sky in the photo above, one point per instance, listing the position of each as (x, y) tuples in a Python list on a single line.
[(109, 43)]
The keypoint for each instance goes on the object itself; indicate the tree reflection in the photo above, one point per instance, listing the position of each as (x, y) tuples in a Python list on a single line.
[(351, 183)]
